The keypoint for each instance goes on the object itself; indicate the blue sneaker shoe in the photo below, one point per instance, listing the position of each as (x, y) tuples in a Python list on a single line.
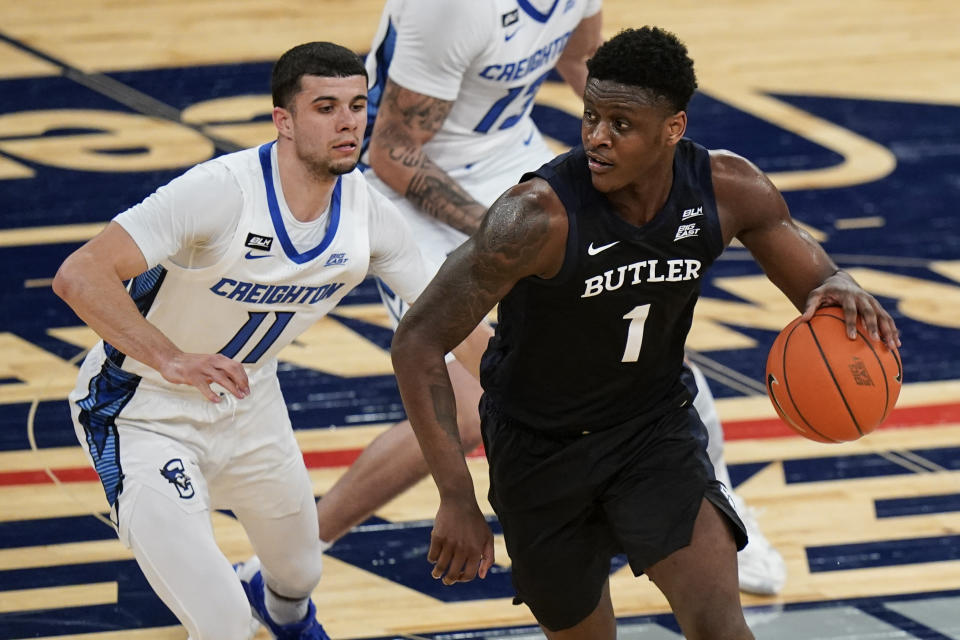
[(253, 586)]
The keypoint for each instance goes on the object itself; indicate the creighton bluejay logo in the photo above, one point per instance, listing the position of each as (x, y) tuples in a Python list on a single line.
[(176, 475)]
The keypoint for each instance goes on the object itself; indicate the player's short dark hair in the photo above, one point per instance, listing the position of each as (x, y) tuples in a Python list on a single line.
[(324, 59), (649, 58)]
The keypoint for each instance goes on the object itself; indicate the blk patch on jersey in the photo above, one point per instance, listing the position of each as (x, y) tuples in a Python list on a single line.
[(262, 243), (509, 18)]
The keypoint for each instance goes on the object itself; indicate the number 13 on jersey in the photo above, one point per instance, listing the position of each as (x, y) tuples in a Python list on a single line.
[(500, 106)]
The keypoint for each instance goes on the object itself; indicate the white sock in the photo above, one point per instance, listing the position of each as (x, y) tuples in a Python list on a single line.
[(284, 610), (324, 545)]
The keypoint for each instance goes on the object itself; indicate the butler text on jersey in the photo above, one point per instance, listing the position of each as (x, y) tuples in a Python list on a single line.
[(674, 270)]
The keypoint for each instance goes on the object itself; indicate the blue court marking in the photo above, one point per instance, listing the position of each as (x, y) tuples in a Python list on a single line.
[(556, 123), (767, 145), (740, 473), (917, 505), (46, 531), (380, 336), (30, 311), (886, 553), (867, 465), (316, 399), (946, 457), (138, 611), (927, 153), (398, 552), (66, 574), (137, 606), (52, 426), (183, 87)]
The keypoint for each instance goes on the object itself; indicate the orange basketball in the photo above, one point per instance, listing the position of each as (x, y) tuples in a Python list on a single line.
[(828, 387)]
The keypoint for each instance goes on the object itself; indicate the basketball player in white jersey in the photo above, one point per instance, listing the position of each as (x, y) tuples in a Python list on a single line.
[(453, 84), (179, 406)]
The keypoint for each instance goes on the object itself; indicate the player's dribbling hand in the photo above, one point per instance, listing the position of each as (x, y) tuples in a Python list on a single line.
[(841, 290), (200, 370), (461, 543)]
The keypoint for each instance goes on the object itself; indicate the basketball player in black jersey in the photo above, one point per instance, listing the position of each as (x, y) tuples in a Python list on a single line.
[(594, 447)]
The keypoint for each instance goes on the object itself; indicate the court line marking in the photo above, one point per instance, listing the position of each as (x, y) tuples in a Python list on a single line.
[(868, 222), (863, 159), (119, 92), (725, 375), (65, 596), (901, 461), (920, 460)]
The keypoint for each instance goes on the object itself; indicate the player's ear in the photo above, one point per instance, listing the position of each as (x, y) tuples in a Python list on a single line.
[(675, 126), (283, 121)]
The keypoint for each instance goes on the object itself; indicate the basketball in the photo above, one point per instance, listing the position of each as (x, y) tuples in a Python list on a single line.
[(828, 387)]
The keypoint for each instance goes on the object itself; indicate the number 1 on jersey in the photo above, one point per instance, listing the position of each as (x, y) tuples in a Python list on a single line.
[(637, 317)]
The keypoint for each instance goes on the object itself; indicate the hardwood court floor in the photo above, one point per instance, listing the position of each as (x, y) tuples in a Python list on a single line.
[(852, 108)]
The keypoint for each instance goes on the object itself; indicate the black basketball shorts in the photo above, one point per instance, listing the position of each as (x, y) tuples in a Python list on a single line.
[(569, 503)]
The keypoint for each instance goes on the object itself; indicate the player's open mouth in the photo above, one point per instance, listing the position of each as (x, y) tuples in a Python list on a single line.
[(598, 164), (346, 146)]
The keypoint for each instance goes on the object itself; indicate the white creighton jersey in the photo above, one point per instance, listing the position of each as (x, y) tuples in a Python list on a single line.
[(487, 56), (260, 291)]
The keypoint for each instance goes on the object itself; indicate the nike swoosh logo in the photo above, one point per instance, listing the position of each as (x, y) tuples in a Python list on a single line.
[(253, 256), (507, 37), (592, 250)]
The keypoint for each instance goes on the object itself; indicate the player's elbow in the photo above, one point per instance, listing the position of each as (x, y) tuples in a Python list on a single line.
[(403, 346), (67, 282), (413, 343)]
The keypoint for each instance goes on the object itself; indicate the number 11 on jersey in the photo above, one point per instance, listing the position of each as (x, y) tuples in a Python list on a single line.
[(637, 317)]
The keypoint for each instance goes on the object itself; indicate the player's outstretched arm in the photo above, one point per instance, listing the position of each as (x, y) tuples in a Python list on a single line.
[(91, 279), (407, 120), (753, 210), (522, 235)]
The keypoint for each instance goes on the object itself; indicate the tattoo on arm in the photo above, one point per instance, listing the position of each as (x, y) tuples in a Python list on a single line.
[(409, 120), (436, 193), (512, 242), (444, 409)]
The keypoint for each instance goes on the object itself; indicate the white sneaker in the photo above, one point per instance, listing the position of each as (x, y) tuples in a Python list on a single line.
[(761, 567)]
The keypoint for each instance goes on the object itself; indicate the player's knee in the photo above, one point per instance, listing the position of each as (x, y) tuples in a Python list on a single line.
[(722, 622), (296, 575)]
